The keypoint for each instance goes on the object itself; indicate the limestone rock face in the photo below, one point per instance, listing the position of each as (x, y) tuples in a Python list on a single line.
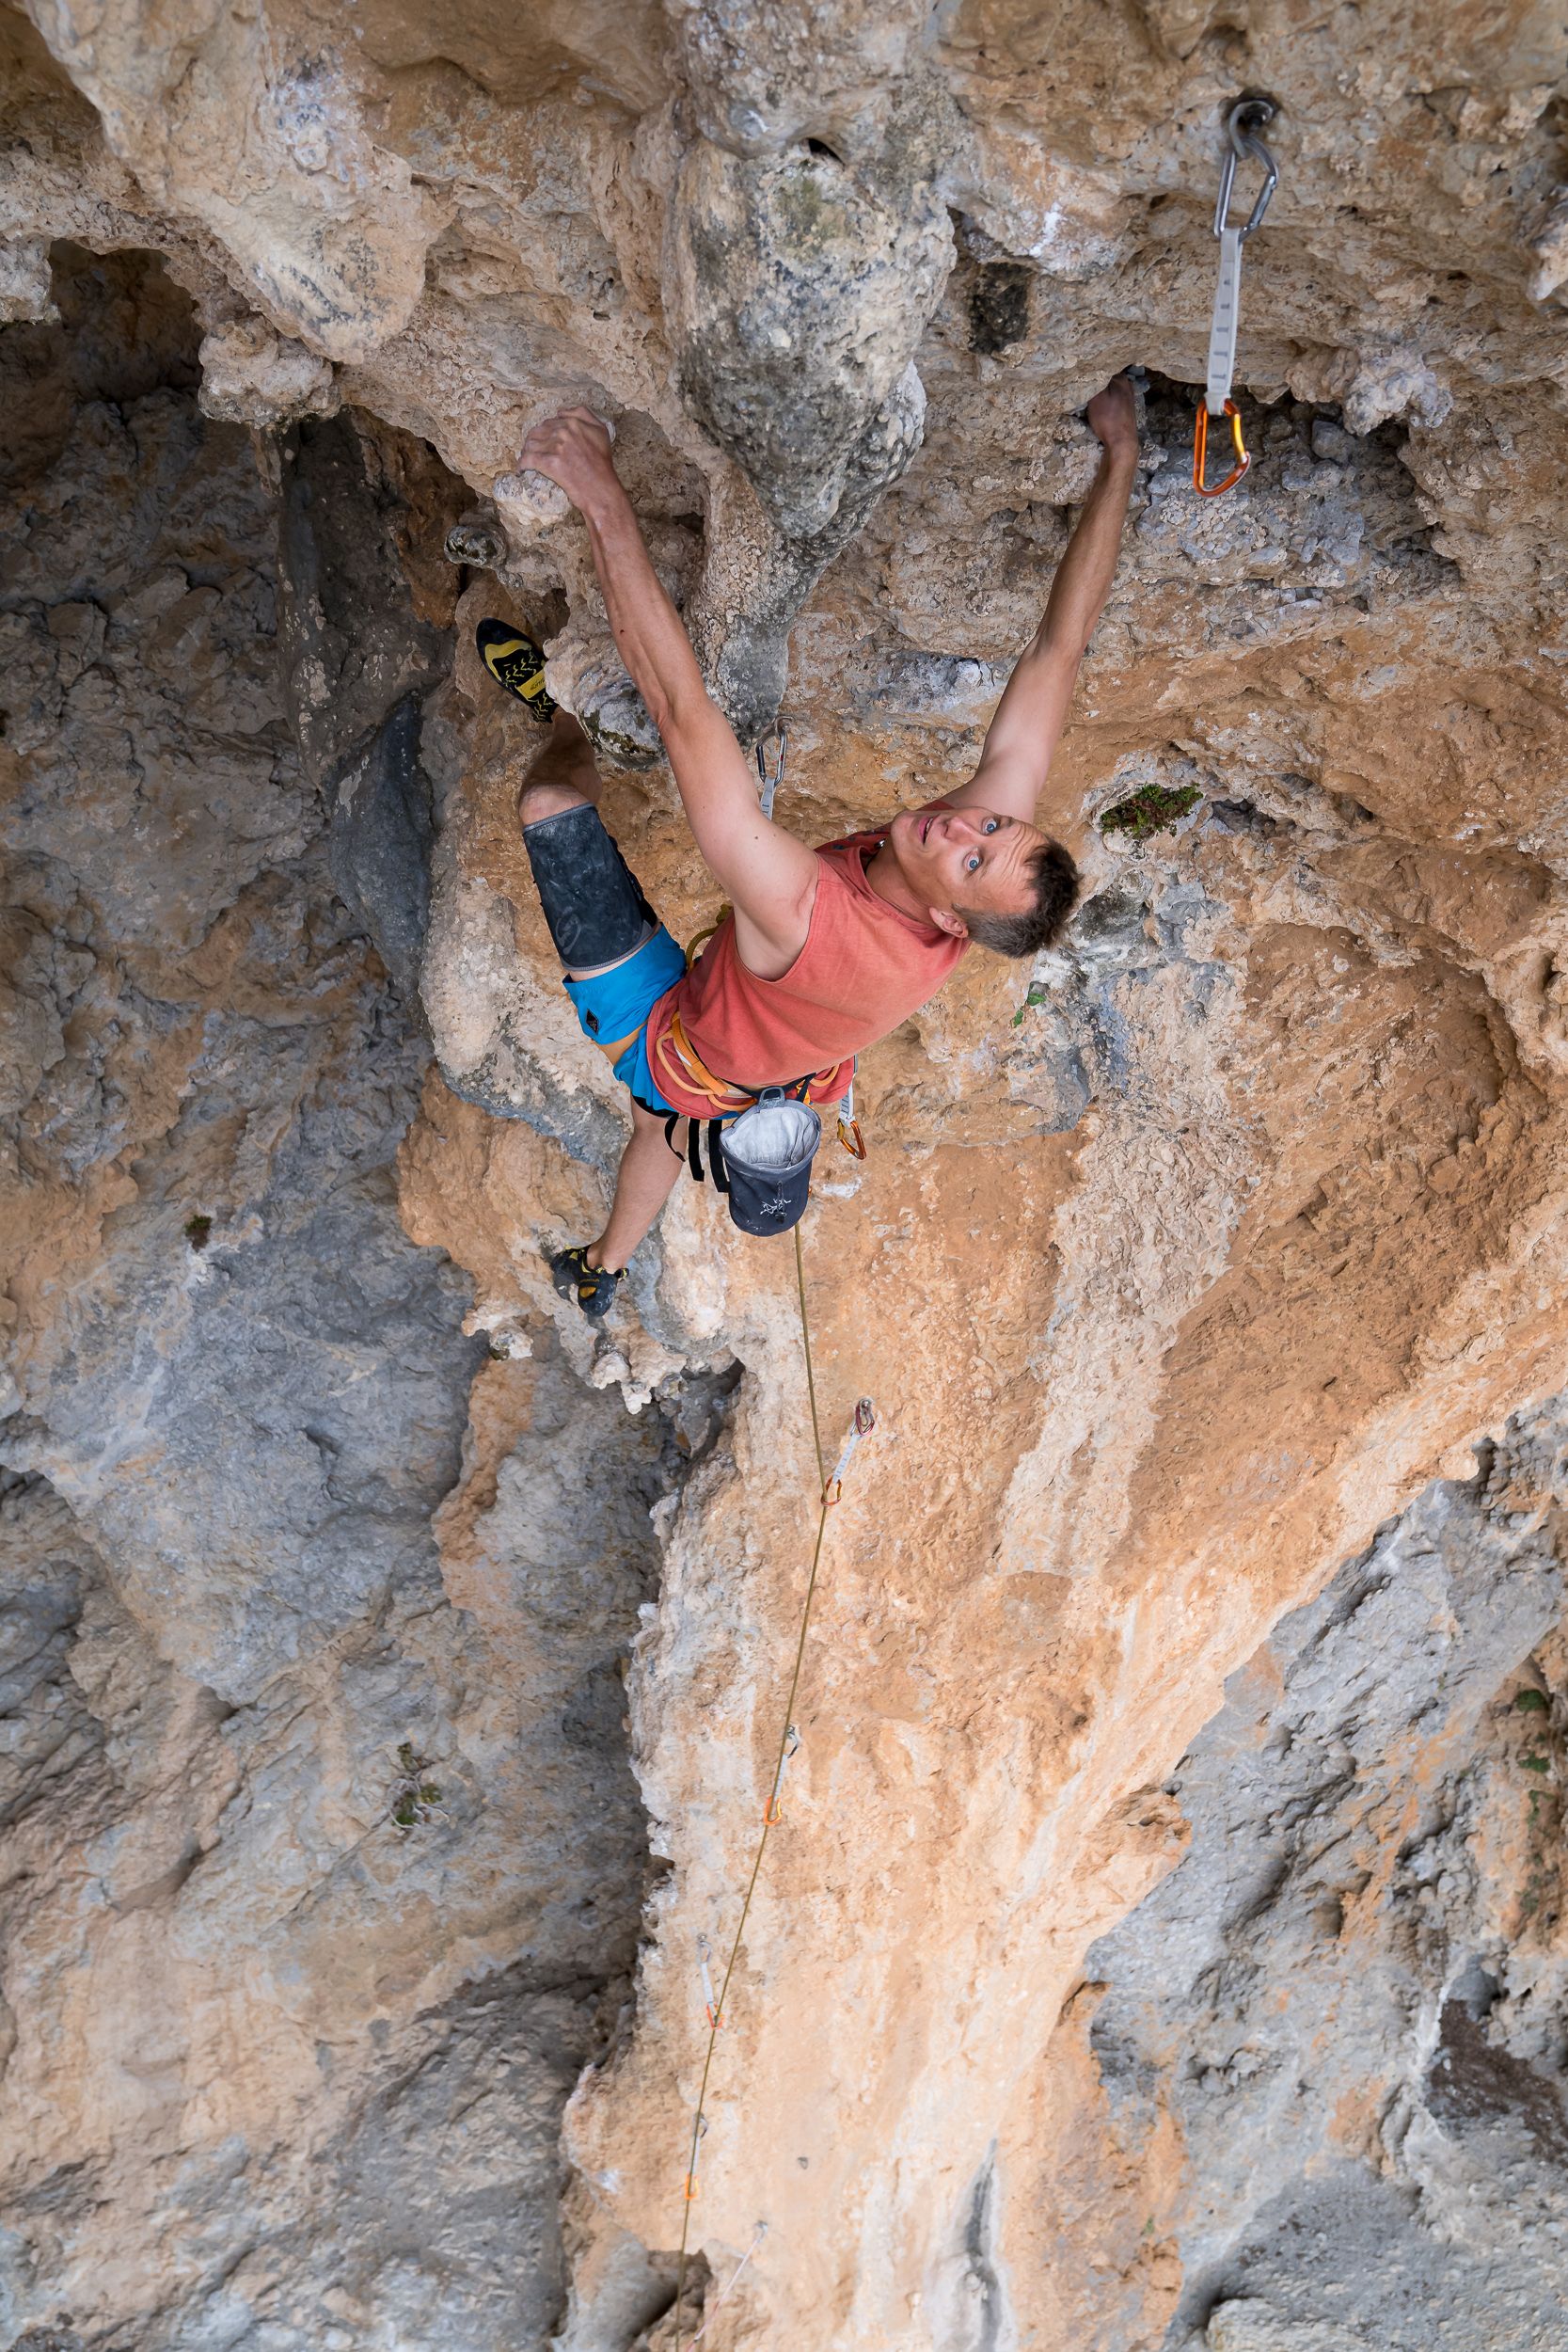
[(1162, 1946)]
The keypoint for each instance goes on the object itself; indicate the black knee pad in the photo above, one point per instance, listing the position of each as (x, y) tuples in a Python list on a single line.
[(592, 901)]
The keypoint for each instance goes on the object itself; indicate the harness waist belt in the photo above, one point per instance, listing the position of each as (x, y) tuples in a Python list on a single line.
[(674, 1054)]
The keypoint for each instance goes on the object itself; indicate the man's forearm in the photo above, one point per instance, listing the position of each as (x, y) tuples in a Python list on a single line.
[(1085, 572), (648, 631), (1021, 739), (770, 877)]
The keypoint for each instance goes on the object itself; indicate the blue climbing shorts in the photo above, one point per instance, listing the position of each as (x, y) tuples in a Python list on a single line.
[(615, 1003), (595, 910)]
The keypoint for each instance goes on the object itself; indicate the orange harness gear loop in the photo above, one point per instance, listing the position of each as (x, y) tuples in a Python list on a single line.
[(672, 1055), (679, 1059)]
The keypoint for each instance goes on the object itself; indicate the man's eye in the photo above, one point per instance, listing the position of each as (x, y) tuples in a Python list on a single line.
[(991, 823), (972, 865)]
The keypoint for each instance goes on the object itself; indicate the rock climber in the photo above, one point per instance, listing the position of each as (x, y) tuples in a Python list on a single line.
[(826, 949)]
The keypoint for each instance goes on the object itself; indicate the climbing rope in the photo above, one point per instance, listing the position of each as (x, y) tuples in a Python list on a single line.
[(1241, 127), (829, 1490)]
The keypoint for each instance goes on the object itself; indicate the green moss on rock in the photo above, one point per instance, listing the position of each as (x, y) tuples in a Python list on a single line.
[(1153, 808)]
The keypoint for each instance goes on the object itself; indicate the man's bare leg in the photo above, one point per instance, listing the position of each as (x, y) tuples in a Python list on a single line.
[(564, 776), (646, 1179)]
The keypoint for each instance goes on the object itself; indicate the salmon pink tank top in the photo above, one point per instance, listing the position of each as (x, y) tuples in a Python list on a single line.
[(864, 969)]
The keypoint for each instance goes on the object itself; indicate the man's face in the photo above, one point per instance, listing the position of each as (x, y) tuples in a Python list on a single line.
[(966, 857)]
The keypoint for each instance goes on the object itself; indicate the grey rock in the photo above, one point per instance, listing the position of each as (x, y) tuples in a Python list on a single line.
[(379, 840), (223, 1627), (358, 659), (349, 639), (1254, 1995)]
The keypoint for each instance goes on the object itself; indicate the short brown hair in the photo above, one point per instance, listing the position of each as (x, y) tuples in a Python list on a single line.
[(1055, 884)]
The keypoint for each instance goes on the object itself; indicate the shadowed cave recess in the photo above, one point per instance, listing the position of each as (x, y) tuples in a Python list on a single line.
[(1163, 1949)]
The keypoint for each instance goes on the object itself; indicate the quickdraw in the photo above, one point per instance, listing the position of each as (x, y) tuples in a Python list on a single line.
[(1241, 127), (770, 778), (711, 2010), (861, 1426), (772, 1812), (848, 1125)]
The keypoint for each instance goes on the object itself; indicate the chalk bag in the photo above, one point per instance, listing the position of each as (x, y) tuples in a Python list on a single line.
[(767, 1154)]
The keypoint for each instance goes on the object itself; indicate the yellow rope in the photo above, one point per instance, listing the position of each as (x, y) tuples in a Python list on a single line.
[(769, 1816), (810, 1377)]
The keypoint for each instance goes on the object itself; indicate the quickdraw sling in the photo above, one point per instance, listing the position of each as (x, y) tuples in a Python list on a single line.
[(1242, 126)]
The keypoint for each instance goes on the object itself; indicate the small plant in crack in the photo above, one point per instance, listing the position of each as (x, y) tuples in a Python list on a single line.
[(199, 1230), (416, 1799), (1152, 808), (1539, 1757), (1037, 996)]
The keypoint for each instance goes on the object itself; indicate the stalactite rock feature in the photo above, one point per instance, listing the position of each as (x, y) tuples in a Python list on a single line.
[(235, 124), (1162, 1946), (251, 376)]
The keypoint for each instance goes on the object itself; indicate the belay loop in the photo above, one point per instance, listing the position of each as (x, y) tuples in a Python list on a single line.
[(1242, 126)]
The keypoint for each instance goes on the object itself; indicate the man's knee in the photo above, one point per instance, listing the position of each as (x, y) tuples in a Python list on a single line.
[(645, 1121), (536, 802)]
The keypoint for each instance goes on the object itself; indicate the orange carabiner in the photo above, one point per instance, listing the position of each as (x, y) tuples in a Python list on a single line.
[(1200, 452)]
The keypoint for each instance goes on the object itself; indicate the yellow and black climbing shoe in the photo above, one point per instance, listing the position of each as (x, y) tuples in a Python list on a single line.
[(593, 1287), (517, 664)]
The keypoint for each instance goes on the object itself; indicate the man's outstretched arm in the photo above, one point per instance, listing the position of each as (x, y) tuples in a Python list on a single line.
[(1024, 735), (770, 877)]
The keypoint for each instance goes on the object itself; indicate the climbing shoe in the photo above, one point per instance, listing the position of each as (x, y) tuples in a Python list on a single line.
[(517, 664), (593, 1287)]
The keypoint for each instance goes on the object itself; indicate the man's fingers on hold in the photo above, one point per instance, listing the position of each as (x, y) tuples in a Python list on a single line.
[(592, 416)]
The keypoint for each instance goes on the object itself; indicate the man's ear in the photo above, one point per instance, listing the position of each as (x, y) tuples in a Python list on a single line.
[(945, 920)]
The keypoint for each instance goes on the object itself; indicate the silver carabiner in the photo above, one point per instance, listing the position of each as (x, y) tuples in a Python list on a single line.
[(769, 780), (1242, 125)]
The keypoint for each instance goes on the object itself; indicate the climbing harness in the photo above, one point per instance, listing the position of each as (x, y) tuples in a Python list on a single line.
[(1241, 127), (760, 1147), (829, 1490), (673, 1056)]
